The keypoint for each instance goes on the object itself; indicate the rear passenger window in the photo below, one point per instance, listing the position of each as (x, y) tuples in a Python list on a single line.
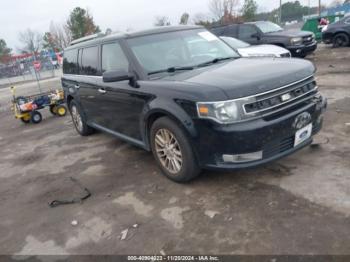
[(113, 58), (246, 31), (230, 30), (89, 61), (70, 65)]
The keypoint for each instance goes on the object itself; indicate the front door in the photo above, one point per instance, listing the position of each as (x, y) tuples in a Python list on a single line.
[(249, 34), (120, 103)]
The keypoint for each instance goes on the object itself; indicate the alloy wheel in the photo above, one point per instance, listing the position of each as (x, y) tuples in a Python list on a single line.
[(168, 150), (77, 118)]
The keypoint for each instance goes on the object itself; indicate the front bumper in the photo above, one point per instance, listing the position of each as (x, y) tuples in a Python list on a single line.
[(302, 50), (275, 138)]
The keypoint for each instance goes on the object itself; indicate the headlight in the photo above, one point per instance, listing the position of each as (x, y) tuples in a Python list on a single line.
[(296, 40), (222, 112)]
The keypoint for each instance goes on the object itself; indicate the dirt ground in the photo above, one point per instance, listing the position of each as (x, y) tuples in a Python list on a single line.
[(298, 205)]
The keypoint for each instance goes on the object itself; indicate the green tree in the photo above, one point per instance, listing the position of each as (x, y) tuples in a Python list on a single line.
[(293, 11), (184, 19), (48, 41), (249, 9), (4, 50), (80, 23)]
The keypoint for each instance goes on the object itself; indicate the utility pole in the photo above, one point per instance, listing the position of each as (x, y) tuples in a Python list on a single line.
[(280, 14), (319, 7)]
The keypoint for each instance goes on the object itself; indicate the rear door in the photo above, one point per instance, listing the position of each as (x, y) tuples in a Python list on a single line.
[(249, 34), (70, 70), (89, 72)]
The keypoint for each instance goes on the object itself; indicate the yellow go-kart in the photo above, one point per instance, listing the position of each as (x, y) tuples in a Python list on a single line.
[(26, 108)]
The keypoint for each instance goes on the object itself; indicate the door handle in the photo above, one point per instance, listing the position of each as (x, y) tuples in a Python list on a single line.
[(102, 91), (76, 86)]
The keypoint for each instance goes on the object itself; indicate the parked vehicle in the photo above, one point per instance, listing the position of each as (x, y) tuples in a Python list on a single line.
[(312, 24), (247, 50), (194, 108), (337, 33), (299, 43)]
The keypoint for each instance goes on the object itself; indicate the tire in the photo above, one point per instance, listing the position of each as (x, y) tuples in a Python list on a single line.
[(177, 147), (26, 118), (61, 110), (53, 109), (36, 117), (341, 40), (79, 119)]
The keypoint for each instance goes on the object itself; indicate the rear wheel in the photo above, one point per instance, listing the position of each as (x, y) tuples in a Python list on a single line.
[(79, 119), (341, 40), (61, 110), (172, 150), (36, 117)]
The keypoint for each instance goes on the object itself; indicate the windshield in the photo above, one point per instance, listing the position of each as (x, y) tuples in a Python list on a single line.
[(234, 43), (179, 49), (268, 27)]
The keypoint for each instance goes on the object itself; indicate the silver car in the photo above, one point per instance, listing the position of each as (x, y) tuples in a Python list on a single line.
[(247, 50)]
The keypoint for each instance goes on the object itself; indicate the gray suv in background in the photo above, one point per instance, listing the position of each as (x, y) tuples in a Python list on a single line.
[(299, 43)]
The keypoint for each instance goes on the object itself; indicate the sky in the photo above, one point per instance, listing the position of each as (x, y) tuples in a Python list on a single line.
[(18, 15)]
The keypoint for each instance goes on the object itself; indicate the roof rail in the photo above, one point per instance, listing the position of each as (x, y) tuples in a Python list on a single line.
[(87, 38)]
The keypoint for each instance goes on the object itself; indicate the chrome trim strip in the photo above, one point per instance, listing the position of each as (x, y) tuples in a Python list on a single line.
[(260, 94), (258, 111), (75, 75), (281, 93)]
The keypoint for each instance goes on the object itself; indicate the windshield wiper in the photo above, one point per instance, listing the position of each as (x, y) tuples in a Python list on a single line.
[(172, 69), (215, 60)]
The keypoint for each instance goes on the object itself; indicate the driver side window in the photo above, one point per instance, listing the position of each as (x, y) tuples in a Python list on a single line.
[(113, 58), (246, 31)]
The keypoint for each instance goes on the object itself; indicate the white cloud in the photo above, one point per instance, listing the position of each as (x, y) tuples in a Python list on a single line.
[(17, 15)]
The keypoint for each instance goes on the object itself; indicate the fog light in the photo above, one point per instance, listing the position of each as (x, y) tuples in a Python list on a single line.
[(242, 157), (298, 51)]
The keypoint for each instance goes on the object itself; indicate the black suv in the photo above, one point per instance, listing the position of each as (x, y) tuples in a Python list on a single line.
[(337, 33), (299, 43), (185, 95)]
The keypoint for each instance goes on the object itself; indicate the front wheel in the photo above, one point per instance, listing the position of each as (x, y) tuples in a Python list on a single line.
[(61, 110), (36, 117), (172, 150), (79, 120)]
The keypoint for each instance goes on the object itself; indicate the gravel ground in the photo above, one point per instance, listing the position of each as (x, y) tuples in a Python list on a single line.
[(297, 205)]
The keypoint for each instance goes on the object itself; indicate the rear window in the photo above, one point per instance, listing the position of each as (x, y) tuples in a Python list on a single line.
[(89, 61), (70, 63)]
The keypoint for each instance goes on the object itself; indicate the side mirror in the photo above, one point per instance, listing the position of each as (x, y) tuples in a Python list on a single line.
[(255, 35), (115, 76)]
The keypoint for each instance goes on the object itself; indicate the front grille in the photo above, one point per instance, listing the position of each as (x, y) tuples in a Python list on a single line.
[(282, 97), (308, 39), (277, 147), (285, 55)]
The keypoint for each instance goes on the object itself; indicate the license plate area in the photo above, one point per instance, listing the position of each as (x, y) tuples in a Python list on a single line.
[(303, 134)]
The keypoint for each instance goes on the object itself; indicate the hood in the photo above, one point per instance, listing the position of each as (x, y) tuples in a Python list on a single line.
[(262, 50), (248, 76), (290, 33)]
